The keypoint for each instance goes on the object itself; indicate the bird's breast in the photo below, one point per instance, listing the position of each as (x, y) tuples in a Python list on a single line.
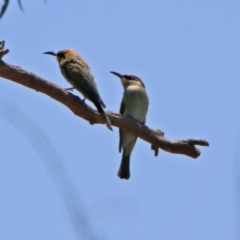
[(135, 103)]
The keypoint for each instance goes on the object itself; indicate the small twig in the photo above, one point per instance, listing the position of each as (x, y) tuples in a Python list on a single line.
[(2, 50)]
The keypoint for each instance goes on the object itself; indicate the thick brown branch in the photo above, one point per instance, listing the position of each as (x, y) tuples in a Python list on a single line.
[(79, 108)]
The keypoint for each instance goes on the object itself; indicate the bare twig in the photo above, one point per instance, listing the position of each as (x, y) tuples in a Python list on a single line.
[(79, 108), (2, 50)]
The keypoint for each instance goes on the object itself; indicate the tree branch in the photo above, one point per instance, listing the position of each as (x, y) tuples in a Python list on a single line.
[(78, 107)]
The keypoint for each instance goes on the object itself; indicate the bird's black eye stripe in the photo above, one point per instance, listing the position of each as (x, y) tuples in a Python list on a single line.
[(129, 77), (61, 55)]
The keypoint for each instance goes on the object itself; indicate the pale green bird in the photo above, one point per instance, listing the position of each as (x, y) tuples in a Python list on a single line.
[(134, 105), (76, 71)]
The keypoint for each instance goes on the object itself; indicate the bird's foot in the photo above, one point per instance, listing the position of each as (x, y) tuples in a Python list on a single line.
[(140, 124), (70, 89)]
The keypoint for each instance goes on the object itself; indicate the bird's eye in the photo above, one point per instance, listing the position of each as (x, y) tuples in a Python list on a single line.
[(61, 55)]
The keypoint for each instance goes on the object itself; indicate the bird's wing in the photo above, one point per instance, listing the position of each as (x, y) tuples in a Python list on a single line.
[(122, 107), (85, 71), (83, 79)]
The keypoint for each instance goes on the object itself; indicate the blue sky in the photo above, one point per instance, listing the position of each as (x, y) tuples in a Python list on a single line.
[(54, 165)]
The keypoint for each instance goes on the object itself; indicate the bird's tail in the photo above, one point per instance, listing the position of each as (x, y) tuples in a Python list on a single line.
[(124, 170), (103, 114)]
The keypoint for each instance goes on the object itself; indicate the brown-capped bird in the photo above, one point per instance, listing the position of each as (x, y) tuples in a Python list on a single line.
[(76, 71)]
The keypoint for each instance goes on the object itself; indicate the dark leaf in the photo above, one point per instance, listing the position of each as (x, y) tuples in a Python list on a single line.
[(4, 7), (20, 5)]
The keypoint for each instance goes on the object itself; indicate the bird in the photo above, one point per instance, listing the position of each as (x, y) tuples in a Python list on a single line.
[(134, 105), (76, 71)]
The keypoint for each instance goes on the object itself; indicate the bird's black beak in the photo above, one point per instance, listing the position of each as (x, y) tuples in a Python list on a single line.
[(50, 53), (117, 74)]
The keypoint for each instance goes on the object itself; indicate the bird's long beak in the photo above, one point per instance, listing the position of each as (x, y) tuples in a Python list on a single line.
[(117, 74), (50, 53)]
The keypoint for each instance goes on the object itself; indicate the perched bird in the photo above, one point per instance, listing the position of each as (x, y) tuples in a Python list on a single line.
[(76, 71), (134, 105)]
